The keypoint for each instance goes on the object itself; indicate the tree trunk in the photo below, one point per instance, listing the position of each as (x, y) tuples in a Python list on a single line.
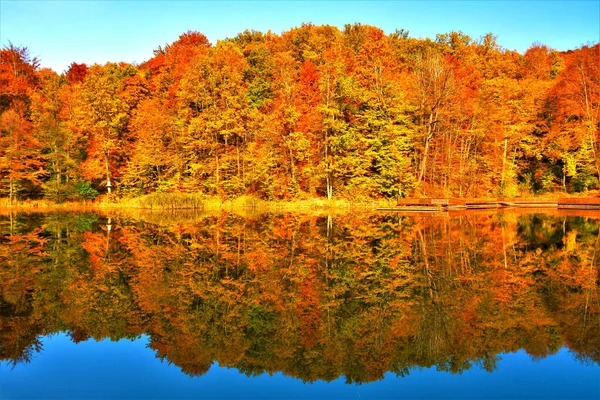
[(430, 128), (106, 163), (503, 166), (328, 188), (237, 151), (217, 170), (10, 189), (292, 172), (328, 173)]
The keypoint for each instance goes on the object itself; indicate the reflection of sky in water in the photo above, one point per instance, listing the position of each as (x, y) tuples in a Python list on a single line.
[(128, 369)]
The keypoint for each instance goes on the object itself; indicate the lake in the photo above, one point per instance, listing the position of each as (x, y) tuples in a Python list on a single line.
[(293, 305)]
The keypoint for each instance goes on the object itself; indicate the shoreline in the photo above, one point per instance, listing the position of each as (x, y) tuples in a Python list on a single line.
[(186, 203)]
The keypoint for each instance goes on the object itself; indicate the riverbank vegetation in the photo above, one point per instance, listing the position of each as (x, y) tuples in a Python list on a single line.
[(354, 115), (195, 202)]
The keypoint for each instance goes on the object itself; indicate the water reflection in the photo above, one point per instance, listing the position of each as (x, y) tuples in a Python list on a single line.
[(313, 297)]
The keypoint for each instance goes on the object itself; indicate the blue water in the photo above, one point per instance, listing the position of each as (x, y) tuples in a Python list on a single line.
[(129, 369)]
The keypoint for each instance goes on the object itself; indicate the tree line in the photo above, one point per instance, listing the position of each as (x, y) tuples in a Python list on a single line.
[(316, 111)]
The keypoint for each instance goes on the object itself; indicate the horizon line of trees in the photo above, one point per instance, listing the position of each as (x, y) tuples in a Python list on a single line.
[(313, 112)]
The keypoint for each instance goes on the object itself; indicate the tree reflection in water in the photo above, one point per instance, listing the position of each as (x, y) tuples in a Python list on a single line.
[(314, 297)]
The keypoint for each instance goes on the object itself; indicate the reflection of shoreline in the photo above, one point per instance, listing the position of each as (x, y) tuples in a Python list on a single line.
[(133, 364), (314, 297), (167, 216)]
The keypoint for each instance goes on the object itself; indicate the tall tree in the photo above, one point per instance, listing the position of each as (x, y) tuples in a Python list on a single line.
[(109, 93), (434, 84), (213, 103), (20, 159)]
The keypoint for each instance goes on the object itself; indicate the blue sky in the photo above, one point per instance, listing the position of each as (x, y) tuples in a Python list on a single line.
[(60, 32)]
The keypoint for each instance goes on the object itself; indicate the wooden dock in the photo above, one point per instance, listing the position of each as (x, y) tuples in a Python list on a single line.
[(481, 203), (529, 202), (430, 204), (427, 205), (412, 209), (579, 203)]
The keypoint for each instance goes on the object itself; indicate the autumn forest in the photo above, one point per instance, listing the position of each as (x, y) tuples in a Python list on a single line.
[(314, 112)]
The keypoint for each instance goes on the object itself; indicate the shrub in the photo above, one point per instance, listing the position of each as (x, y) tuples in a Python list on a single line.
[(85, 191)]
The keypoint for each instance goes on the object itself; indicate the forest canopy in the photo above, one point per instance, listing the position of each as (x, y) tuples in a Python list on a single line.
[(314, 112)]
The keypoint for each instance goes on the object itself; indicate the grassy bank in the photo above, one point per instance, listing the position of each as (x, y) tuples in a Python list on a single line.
[(47, 204), (173, 201), (201, 202), (198, 202)]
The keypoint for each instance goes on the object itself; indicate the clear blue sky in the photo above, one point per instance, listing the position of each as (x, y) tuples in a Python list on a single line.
[(60, 32)]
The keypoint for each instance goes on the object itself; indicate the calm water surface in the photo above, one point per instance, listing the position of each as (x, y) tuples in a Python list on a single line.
[(472, 305)]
